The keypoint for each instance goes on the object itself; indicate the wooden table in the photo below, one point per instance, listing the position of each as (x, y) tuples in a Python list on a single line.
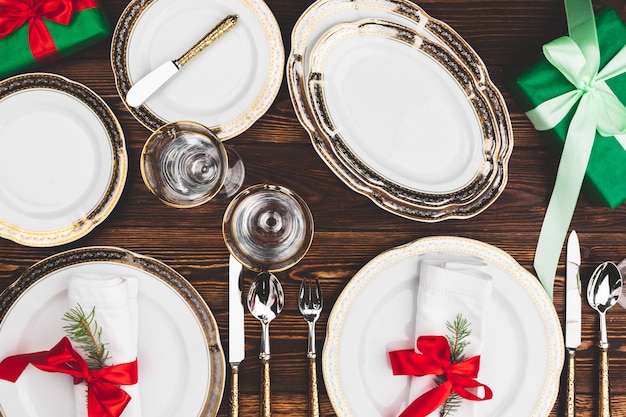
[(349, 228)]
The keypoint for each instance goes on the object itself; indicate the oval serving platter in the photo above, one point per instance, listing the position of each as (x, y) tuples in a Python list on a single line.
[(63, 161), (400, 107), (438, 203), (227, 87)]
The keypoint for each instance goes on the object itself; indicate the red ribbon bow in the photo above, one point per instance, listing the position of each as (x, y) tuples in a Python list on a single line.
[(434, 359), (16, 13), (104, 396)]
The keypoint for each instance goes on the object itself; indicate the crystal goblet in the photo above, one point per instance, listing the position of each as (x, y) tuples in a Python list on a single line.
[(185, 165), (268, 228)]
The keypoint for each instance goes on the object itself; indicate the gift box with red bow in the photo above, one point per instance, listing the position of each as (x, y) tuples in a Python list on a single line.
[(34, 32)]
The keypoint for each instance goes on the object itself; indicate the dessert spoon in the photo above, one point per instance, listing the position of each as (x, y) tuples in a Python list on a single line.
[(605, 287)]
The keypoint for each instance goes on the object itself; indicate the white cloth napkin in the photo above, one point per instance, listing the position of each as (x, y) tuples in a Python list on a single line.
[(115, 301), (445, 289)]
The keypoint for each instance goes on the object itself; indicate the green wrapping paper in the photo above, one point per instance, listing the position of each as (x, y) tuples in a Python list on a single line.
[(86, 28), (605, 178)]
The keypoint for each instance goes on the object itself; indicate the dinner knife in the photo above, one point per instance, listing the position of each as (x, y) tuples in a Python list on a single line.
[(572, 316), (236, 330), (147, 85)]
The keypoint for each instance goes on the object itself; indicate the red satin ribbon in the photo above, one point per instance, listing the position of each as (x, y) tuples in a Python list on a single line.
[(16, 13), (104, 396), (434, 359)]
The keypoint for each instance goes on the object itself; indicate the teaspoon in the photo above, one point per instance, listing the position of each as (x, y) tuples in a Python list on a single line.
[(605, 287), (265, 301)]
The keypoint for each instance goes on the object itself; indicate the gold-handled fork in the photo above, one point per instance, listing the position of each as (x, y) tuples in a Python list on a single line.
[(310, 303)]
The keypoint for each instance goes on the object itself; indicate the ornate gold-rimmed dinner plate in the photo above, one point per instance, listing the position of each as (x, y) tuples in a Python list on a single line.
[(180, 358), (522, 354), (63, 160), (227, 87), (433, 192)]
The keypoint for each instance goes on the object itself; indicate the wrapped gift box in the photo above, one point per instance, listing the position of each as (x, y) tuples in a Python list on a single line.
[(87, 25), (605, 178)]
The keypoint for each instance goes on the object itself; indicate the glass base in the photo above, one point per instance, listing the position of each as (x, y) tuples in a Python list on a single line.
[(234, 177)]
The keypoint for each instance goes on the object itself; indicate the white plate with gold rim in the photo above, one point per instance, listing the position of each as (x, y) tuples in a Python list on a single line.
[(227, 87), (438, 202), (523, 349), (63, 160), (181, 363)]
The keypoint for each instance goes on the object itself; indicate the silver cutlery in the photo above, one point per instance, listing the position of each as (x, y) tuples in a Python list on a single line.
[(265, 302), (572, 318), (150, 83), (310, 303), (605, 287), (236, 330)]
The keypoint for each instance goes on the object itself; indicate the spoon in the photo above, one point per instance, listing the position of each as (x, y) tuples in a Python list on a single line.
[(605, 287), (265, 301)]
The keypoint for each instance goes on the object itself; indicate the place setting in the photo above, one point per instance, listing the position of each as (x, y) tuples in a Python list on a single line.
[(403, 111), (267, 228), (226, 88), (424, 289), (103, 311)]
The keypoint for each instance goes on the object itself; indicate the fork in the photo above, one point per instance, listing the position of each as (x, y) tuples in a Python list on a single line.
[(310, 303)]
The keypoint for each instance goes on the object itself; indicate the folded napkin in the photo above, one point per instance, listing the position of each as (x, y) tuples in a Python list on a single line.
[(446, 289), (115, 302)]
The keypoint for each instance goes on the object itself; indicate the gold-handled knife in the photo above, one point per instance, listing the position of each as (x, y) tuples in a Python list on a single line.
[(572, 317), (147, 85), (236, 331)]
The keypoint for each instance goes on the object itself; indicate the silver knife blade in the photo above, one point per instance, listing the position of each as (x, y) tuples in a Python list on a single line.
[(149, 84), (236, 330), (572, 293), (146, 86)]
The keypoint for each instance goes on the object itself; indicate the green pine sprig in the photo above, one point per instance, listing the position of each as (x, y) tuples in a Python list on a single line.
[(84, 331), (460, 331)]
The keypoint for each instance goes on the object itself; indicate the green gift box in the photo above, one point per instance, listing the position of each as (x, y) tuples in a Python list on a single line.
[(86, 24), (605, 177)]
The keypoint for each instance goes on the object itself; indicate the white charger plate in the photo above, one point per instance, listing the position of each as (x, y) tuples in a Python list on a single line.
[(227, 87), (63, 160), (523, 349), (321, 18), (180, 357)]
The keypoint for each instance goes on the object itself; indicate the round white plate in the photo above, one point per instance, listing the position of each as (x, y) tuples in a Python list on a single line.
[(180, 357), (523, 349), (63, 160), (227, 87), (436, 204)]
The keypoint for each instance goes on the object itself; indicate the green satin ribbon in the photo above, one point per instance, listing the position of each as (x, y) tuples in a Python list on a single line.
[(577, 57)]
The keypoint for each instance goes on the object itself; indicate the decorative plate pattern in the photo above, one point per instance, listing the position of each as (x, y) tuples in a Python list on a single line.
[(523, 349), (227, 87), (181, 361), (319, 21), (63, 163)]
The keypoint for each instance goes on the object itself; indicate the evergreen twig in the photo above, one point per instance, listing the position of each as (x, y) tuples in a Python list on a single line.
[(460, 331), (83, 330)]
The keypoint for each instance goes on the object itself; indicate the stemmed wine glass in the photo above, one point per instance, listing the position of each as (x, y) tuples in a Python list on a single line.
[(267, 228), (185, 165)]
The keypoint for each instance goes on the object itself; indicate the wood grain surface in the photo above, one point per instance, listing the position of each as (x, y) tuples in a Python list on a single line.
[(349, 228)]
